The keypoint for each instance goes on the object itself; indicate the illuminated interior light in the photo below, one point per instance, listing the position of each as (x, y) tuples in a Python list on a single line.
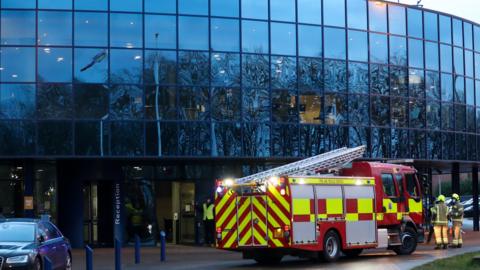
[(60, 59), (137, 57)]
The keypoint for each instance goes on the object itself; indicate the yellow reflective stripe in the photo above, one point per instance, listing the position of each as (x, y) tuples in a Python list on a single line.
[(362, 181), (222, 202), (301, 206), (415, 207), (399, 216), (260, 238), (273, 190), (279, 213), (275, 241), (244, 240), (225, 214), (351, 217), (390, 206), (379, 216), (230, 241), (334, 206), (322, 216), (365, 205), (259, 206)]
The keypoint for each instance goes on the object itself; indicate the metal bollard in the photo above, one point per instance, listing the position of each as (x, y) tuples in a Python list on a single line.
[(118, 254), (88, 257), (137, 249), (47, 264), (162, 246)]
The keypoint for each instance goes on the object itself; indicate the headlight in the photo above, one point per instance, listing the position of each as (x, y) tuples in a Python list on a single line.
[(18, 259)]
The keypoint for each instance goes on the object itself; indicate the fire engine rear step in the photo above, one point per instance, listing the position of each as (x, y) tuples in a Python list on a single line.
[(309, 166)]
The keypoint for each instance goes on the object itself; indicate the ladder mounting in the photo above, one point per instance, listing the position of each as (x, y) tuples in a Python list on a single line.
[(309, 166)]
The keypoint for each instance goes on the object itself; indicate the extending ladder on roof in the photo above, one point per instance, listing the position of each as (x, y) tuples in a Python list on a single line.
[(333, 159)]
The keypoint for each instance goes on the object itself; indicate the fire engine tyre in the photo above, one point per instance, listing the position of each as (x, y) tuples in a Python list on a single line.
[(352, 253), (268, 259), (332, 248), (409, 242)]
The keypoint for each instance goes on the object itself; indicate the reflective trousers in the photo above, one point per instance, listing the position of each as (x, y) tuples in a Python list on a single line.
[(457, 233), (441, 234)]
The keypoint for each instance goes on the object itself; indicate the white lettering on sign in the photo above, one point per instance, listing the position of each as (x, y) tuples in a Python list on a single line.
[(117, 204)]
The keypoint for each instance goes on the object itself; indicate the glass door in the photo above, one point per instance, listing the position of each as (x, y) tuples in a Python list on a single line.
[(12, 187), (90, 213)]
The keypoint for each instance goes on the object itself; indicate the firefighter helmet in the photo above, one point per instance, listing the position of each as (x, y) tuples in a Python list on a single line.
[(441, 198), (455, 197)]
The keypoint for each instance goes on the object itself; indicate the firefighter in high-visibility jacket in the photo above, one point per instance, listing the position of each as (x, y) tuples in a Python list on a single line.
[(440, 222), (208, 220), (456, 215)]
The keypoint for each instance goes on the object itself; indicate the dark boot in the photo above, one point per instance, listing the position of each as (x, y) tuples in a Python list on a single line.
[(438, 246), (445, 246), (459, 246)]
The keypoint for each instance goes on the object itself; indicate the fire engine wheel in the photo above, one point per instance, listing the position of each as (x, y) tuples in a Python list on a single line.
[(331, 247), (409, 242), (268, 259)]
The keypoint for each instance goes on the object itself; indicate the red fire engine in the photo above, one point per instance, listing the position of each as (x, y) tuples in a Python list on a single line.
[(299, 210)]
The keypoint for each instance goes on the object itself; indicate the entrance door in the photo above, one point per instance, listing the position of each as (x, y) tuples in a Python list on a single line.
[(11, 201), (252, 220), (98, 213)]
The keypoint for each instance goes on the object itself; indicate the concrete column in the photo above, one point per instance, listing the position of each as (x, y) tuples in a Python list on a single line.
[(176, 211), (29, 182), (475, 198), (455, 179)]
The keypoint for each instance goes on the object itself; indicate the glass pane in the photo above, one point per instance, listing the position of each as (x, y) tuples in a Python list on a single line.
[(398, 81), (225, 8), (225, 35), (193, 33), (92, 4), (160, 67), (18, 27), (18, 138), (469, 92), (163, 98), (458, 61), (285, 140), (225, 69), (168, 139), (379, 79), (54, 101), (283, 38), (226, 104), (357, 46), (194, 139), (282, 10), (54, 65), (416, 83), (194, 103), (284, 72), (415, 53), (476, 33), (357, 14), (378, 48), (91, 29), (258, 142), (446, 58), (417, 113), (255, 71), (197, 7), (126, 5), (19, 4), (378, 16), (398, 51), (399, 112), (380, 110), (54, 4), (91, 101), (310, 107), (431, 55), (468, 63), (448, 116), (227, 139), (459, 89), (396, 20), (256, 105), (460, 117), (457, 32), (310, 73), (334, 13), (415, 23), (432, 85), (125, 30), (309, 11), (311, 142), (126, 66), (55, 138), (310, 41), (433, 115), (447, 87), (445, 29), (381, 142), (335, 76), (255, 9), (477, 65), (284, 106), (54, 28), (126, 102), (358, 78), (431, 26), (334, 43), (160, 32), (254, 36), (17, 64), (193, 68), (358, 109), (127, 138), (17, 101), (335, 109), (87, 139)]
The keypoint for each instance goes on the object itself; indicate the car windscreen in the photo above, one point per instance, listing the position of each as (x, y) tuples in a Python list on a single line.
[(17, 232)]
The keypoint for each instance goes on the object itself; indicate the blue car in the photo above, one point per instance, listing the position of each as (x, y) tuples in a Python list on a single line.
[(26, 243)]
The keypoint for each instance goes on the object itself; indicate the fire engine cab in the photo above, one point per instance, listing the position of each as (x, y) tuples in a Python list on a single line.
[(302, 209)]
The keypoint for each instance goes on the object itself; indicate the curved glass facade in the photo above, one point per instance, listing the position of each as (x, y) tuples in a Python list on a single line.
[(230, 78)]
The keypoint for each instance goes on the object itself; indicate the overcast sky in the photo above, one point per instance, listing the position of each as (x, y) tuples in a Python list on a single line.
[(469, 9)]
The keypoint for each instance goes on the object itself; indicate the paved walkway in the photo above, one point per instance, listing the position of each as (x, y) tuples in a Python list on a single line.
[(197, 258)]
